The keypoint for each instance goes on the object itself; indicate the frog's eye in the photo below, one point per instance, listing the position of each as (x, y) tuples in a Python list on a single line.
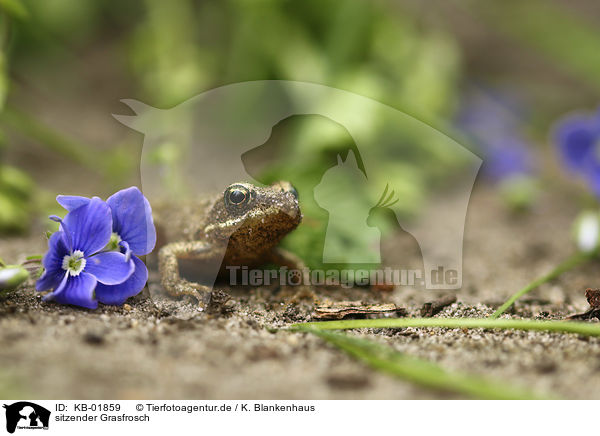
[(294, 192), (237, 196)]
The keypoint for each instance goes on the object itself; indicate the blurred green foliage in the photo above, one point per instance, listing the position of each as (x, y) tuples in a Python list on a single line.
[(16, 191), (561, 34), (363, 47), (390, 51)]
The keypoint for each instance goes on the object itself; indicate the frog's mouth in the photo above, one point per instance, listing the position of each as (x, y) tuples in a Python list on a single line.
[(274, 219), (258, 233)]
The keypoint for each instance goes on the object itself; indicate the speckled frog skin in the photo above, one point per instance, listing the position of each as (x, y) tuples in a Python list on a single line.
[(240, 226)]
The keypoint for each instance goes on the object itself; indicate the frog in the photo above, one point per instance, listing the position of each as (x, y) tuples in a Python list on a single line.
[(240, 226)]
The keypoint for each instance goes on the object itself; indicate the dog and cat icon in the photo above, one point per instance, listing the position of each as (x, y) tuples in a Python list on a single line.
[(26, 415)]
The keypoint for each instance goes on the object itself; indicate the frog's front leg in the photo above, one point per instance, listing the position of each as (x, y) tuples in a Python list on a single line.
[(168, 267), (282, 257)]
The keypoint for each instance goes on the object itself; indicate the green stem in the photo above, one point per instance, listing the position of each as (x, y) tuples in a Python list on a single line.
[(580, 328), (568, 264), (419, 371)]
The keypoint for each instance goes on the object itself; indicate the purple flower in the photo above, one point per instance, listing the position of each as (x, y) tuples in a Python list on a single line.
[(578, 140), (494, 121), (75, 264), (506, 157), (132, 232)]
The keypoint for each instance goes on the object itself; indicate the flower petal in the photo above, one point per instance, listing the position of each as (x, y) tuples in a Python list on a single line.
[(132, 220), (53, 274), (49, 280), (76, 290), (576, 137), (592, 174), (110, 267), (506, 157), (124, 248), (72, 202), (117, 294), (90, 226)]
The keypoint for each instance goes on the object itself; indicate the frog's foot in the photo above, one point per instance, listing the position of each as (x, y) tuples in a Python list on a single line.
[(304, 292), (169, 270), (201, 293), (219, 302)]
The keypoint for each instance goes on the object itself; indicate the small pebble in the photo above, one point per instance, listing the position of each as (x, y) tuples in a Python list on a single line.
[(93, 338)]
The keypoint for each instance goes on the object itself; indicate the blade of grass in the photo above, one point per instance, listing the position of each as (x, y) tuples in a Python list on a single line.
[(419, 371), (568, 264), (26, 124), (112, 165), (580, 328)]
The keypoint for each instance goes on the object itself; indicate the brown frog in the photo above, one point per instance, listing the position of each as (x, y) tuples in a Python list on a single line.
[(238, 227)]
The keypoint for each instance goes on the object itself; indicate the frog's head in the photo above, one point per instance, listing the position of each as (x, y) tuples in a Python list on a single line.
[(253, 217)]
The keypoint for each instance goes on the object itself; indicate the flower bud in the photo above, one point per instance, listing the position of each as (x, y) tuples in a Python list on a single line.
[(12, 276), (587, 231)]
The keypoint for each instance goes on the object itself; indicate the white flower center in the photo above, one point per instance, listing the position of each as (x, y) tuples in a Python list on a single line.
[(113, 244), (74, 263)]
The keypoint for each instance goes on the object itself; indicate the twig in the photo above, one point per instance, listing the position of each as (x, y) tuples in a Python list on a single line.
[(436, 306)]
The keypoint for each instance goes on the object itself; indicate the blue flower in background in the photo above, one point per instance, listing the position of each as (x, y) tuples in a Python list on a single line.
[(578, 140), (507, 157), (75, 264), (132, 232), (493, 120)]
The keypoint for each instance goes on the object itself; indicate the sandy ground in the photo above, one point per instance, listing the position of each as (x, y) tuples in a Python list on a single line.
[(160, 348)]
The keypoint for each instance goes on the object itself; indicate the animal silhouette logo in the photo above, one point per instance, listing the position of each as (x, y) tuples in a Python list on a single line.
[(26, 415), (197, 147), (346, 215)]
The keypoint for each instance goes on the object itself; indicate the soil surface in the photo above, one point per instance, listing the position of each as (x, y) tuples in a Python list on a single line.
[(155, 347)]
